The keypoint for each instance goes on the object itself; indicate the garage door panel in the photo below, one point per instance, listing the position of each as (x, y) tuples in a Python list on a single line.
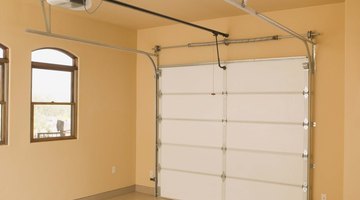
[(191, 159), (267, 76), (192, 106), (287, 169), (192, 132), (199, 79), (268, 108), (266, 137), (248, 141), (185, 186), (250, 190)]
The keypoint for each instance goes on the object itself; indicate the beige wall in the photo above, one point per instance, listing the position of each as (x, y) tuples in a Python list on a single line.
[(66, 170), (352, 101), (329, 113)]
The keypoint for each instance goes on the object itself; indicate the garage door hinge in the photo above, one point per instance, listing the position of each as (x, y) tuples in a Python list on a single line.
[(305, 187), (305, 154), (306, 124), (223, 176), (159, 118), (306, 92)]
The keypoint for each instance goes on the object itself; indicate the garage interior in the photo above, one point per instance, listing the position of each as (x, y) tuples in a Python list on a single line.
[(188, 100)]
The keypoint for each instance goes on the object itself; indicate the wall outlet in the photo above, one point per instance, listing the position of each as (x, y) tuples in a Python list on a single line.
[(323, 196), (113, 169)]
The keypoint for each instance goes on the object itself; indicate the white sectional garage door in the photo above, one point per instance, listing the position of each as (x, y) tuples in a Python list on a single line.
[(235, 134)]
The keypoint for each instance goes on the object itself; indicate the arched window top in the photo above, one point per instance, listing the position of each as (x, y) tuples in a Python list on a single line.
[(2, 51), (53, 56)]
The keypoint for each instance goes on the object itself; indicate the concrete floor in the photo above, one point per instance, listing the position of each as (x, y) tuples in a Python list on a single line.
[(136, 196)]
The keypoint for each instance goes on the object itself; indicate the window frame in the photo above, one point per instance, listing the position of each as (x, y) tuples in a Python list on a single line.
[(4, 63), (74, 94)]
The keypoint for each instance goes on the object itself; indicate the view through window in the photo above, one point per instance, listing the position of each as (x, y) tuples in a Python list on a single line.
[(53, 104)]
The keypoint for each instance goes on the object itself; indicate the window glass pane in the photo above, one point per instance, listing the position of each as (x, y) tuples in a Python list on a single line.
[(1, 53), (51, 86), (51, 56), (51, 121)]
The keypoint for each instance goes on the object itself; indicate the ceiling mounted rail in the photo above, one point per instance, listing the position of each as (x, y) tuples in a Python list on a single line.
[(89, 42), (65, 37), (214, 32)]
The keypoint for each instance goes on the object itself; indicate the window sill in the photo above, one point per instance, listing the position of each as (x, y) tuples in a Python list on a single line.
[(52, 139)]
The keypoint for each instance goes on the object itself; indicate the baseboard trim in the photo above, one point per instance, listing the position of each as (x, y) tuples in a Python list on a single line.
[(145, 189), (111, 194)]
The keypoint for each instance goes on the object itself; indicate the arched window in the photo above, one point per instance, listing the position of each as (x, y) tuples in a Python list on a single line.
[(53, 94), (4, 60)]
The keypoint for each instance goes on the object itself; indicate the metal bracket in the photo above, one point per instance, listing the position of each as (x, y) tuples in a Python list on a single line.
[(159, 118), (226, 42), (223, 148), (46, 15), (158, 73), (314, 124), (312, 165), (311, 34), (157, 49), (306, 65)]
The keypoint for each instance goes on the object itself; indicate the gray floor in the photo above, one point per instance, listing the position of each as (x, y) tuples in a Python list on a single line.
[(136, 196)]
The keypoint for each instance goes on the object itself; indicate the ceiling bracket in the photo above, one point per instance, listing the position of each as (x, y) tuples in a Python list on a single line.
[(47, 16)]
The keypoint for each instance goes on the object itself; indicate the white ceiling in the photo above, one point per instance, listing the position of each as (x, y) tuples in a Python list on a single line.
[(188, 10)]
